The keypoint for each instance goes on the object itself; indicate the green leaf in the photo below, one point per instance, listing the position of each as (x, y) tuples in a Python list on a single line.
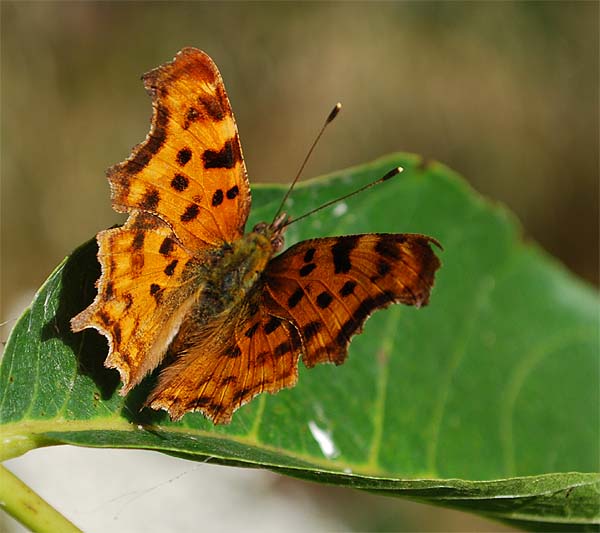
[(486, 400)]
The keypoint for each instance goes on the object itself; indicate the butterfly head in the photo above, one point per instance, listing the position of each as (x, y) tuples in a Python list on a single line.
[(274, 231)]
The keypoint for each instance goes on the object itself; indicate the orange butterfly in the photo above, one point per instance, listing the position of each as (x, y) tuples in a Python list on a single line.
[(184, 287)]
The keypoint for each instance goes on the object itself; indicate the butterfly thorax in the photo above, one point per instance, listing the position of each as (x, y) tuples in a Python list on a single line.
[(231, 285), (232, 273)]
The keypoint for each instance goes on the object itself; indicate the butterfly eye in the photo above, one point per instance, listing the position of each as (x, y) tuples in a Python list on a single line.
[(260, 227)]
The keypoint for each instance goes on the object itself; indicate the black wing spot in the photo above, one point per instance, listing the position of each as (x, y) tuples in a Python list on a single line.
[(311, 329), (190, 213), (324, 299), (386, 247), (348, 288), (217, 198), (307, 269), (170, 268), (156, 291), (226, 157), (150, 199), (252, 330), (184, 155), (233, 192), (295, 298), (341, 253), (308, 256), (383, 267), (272, 325), (282, 349), (201, 401), (167, 246), (180, 182)]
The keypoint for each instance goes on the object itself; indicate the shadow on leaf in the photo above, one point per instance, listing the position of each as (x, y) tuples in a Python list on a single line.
[(77, 291)]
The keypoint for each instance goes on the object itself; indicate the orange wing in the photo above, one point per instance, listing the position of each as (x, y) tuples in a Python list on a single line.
[(227, 363), (189, 171), (144, 293), (312, 299), (186, 190), (330, 286)]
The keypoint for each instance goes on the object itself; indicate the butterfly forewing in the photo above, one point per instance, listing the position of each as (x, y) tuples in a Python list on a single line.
[(330, 286), (189, 171)]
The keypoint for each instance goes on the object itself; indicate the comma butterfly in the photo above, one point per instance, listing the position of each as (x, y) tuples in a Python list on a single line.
[(183, 285)]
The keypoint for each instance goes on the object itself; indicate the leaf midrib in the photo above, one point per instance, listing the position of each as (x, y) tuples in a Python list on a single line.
[(35, 430), (39, 432)]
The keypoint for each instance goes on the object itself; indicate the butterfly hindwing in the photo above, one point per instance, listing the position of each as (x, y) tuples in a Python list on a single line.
[(330, 286), (218, 369), (189, 171), (142, 296)]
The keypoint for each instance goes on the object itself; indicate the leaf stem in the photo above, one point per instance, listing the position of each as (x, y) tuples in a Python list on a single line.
[(30, 509)]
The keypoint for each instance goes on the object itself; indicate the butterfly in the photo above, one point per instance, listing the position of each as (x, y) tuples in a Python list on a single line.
[(184, 288)]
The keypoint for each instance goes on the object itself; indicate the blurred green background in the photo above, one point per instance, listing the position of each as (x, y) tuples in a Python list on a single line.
[(505, 93)]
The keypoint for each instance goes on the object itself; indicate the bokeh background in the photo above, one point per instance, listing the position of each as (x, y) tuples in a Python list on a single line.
[(505, 93)]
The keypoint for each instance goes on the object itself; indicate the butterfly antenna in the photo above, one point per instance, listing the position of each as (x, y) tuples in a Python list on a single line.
[(330, 117), (390, 174)]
